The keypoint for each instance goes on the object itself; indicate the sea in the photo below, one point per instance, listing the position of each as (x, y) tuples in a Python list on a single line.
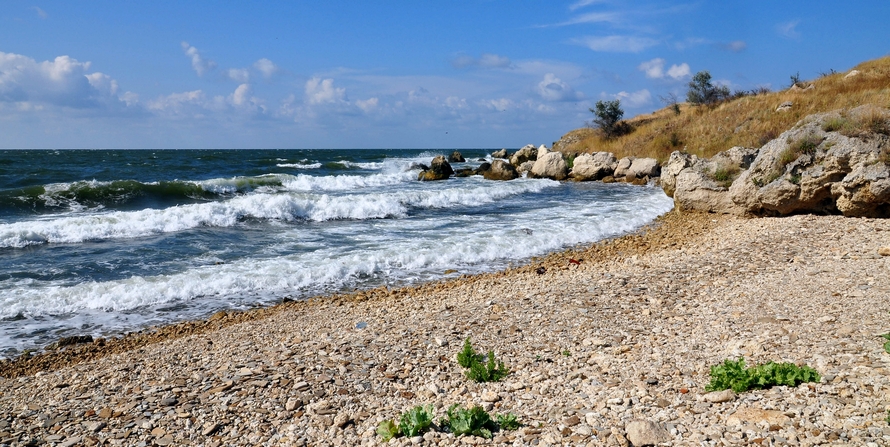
[(104, 242)]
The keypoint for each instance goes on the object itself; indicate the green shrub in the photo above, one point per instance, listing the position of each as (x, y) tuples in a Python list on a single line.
[(734, 375), (508, 421), (478, 369), (416, 421), (887, 343), (474, 421), (490, 371)]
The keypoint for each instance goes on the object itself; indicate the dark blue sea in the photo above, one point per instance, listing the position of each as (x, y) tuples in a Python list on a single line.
[(104, 242)]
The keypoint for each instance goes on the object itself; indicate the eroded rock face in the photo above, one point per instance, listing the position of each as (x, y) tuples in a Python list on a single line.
[(500, 170), (623, 167), (551, 166), (809, 170), (594, 166), (439, 170), (702, 184), (528, 153)]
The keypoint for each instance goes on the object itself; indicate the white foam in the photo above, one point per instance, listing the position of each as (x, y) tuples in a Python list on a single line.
[(299, 165)]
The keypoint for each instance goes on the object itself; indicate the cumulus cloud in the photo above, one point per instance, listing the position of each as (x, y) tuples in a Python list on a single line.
[(199, 64), (266, 67), (654, 69), (64, 81), (241, 96), (368, 104), (176, 102), (552, 88), (616, 44), (321, 91), (736, 46), (634, 99), (487, 60), (238, 74)]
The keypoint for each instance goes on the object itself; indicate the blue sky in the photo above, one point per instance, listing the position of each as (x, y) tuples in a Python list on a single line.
[(390, 74)]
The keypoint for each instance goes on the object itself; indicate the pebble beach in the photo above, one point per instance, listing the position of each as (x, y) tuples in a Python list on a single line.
[(609, 344)]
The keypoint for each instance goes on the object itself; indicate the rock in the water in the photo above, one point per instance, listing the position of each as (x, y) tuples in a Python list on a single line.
[(484, 167), (456, 157), (594, 166), (499, 154), (528, 153), (464, 172), (623, 166), (525, 167), (500, 170), (551, 166), (439, 170), (643, 432), (644, 167)]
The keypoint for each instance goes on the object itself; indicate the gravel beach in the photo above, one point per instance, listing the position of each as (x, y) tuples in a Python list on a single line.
[(613, 349)]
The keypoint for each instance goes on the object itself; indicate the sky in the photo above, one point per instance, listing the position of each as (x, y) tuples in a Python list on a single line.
[(390, 73)]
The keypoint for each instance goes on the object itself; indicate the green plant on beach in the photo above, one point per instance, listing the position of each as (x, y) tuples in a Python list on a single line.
[(473, 421), (388, 430), (508, 421), (478, 369), (887, 343), (416, 421), (733, 375)]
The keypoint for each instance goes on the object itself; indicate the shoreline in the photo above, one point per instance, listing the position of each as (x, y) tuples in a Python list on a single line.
[(52, 358), (627, 335)]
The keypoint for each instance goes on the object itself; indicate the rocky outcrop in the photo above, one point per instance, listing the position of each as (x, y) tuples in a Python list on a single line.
[(551, 165), (805, 170), (525, 167), (499, 154), (439, 170), (594, 166), (456, 157), (528, 153), (644, 167), (623, 166), (500, 170)]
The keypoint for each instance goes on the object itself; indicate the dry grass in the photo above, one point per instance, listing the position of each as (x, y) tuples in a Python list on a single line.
[(749, 121)]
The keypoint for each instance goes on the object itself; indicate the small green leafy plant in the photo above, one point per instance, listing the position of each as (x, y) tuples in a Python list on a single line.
[(473, 421), (478, 369), (416, 421), (887, 343), (733, 375), (508, 422)]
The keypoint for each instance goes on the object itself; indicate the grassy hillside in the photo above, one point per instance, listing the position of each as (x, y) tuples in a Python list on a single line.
[(748, 121)]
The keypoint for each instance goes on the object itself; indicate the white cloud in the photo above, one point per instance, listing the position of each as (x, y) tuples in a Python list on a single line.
[(617, 44), (634, 99), (500, 104), (41, 13), (266, 67), (368, 104), (736, 46), (654, 69), (238, 74), (199, 64), (175, 102), (678, 71), (552, 88), (487, 60), (591, 17), (320, 91), (582, 3), (241, 96), (789, 29), (64, 81)]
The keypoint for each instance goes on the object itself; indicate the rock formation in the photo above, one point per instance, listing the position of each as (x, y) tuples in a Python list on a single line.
[(439, 170)]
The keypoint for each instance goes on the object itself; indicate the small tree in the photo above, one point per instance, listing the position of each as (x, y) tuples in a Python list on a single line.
[(608, 118), (703, 92)]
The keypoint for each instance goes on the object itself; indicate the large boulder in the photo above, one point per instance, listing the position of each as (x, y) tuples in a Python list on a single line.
[(525, 167), (439, 170), (499, 154), (551, 166), (456, 157), (500, 170), (623, 166), (644, 167), (701, 184), (810, 170), (594, 166), (528, 153), (677, 162)]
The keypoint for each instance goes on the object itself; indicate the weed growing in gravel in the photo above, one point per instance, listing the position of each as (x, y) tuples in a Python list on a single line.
[(508, 421), (477, 422), (478, 370), (734, 375), (414, 422), (887, 343)]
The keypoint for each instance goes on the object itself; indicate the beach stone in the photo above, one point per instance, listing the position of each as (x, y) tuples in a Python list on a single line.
[(499, 154), (717, 397), (551, 165), (594, 166), (456, 157), (501, 170), (439, 170), (884, 251), (490, 396), (750, 415), (645, 432)]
